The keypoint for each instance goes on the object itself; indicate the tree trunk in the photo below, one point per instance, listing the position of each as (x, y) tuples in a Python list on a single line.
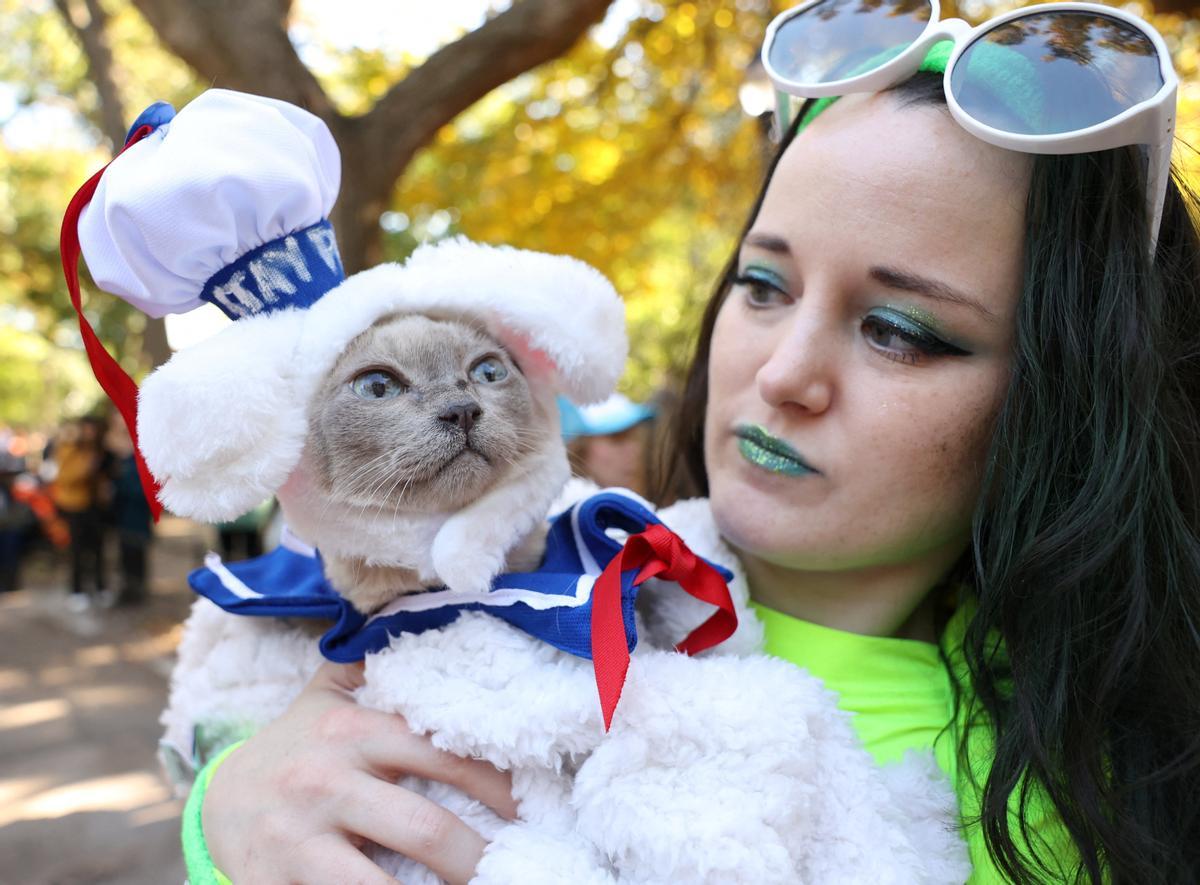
[(363, 198), (155, 349), (88, 21)]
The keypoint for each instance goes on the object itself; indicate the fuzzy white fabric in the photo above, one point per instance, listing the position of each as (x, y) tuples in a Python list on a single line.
[(218, 423), (223, 424), (727, 767)]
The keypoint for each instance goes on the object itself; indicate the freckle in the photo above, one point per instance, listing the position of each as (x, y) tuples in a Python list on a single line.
[(462, 385)]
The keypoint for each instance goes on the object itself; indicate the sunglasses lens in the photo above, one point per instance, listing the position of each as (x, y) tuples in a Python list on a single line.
[(1078, 69), (837, 39)]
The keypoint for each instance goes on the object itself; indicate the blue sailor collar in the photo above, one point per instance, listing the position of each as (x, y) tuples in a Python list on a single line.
[(580, 600)]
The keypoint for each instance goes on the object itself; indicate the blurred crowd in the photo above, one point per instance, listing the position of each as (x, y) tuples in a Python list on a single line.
[(76, 495), (73, 497)]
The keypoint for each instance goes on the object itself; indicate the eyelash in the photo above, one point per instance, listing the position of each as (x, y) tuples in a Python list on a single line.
[(926, 345), (752, 283)]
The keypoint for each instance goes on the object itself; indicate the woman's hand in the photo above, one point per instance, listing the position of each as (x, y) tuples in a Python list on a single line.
[(295, 802)]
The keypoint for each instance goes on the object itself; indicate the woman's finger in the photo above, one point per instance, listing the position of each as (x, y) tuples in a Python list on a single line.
[(412, 825), (342, 677), (477, 778), (389, 748), (332, 860)]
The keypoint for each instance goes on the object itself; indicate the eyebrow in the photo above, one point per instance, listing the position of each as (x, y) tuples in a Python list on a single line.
[(768, 243), (892, 277), (895, 278)]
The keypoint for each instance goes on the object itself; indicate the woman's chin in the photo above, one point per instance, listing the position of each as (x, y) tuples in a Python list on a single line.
[(760, 523)]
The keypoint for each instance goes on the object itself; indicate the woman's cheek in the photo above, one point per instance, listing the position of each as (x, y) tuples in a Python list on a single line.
[(953, 445)]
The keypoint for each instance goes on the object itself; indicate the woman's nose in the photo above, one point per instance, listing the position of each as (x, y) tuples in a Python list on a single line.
[(801, 369)]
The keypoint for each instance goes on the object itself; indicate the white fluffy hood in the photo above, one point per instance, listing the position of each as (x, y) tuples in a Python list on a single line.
[(222, 424)]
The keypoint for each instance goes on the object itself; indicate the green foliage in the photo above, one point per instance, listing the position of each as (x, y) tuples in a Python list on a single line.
[(42, 64), (41, 383), (39, 58)]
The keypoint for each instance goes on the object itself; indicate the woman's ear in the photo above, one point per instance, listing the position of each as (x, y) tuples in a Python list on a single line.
[(222, 424)]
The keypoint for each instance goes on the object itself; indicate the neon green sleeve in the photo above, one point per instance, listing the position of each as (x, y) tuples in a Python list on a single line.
[(200, 867), (1055, 845)]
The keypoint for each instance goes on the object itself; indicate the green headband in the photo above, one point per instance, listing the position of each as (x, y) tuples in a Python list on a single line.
[(1010, 77)]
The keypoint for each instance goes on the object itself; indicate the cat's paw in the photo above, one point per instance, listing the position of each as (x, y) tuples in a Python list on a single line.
[(464, 570)]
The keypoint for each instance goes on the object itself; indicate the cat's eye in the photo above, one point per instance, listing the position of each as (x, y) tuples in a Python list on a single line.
[(488, 371), (377, 384)]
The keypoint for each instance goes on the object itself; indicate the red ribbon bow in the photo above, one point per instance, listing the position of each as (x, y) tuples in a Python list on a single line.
[(120, 388), (656, 552)]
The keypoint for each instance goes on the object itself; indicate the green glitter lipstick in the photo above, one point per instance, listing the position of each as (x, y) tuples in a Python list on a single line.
[(770, 453)]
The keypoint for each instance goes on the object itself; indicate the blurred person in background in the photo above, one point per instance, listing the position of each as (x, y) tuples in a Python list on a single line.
[(80, 492), (242, 538), (16, 521), (129, 514), (609, 442)]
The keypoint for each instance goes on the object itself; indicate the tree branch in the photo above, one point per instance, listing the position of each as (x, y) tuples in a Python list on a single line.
[(238, 44), (87, 20), (527, 34), (1182, 7)]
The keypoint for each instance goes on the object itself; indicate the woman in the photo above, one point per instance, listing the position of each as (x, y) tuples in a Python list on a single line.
[(80, 488), (922, 388)]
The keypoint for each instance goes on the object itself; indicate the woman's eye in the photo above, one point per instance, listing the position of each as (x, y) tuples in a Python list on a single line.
[(761, 289), (904, 342), (489, 371), (377, 384)]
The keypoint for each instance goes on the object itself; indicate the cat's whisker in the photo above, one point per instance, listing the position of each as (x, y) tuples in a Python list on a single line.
[(388, 472), (379, 462)]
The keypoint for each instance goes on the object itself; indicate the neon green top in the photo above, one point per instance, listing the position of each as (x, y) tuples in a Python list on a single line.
[(901, 697)]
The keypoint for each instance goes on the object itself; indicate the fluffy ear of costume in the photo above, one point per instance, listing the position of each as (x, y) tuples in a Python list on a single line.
[(560, 317), (221, 425)]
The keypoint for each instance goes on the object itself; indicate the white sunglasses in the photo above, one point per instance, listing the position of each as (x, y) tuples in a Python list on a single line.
[(1104, 76)]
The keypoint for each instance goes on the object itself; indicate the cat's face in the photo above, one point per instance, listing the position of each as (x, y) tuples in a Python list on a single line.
[(421, 414)]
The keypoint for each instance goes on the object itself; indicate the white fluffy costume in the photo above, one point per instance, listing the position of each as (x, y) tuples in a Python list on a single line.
[(728, 766)]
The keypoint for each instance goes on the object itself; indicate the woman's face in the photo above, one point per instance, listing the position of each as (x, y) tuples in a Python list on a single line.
[(617, 459), (858, 364)]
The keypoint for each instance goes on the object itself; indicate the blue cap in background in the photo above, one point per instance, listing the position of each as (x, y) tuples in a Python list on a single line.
[(614, 415)]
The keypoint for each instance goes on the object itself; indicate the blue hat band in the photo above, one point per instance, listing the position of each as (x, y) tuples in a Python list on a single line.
[(292, 271)]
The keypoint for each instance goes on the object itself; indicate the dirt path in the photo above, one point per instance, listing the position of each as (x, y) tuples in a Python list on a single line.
[(82, 799)]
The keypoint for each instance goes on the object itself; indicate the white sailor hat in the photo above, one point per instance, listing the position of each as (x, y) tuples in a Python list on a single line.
[(228, 202)]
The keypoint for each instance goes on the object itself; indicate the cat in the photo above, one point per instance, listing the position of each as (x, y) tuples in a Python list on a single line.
[(420, 417)]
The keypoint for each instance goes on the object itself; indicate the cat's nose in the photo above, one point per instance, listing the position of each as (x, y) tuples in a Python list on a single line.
[(463, 414)]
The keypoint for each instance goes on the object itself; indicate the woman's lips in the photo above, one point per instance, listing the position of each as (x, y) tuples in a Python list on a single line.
[(770, 453)]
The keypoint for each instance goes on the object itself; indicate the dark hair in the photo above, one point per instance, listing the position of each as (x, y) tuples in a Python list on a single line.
[(1083, 651)]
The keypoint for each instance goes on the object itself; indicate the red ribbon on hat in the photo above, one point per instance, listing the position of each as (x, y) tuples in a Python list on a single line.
[(656, 552), (120, 388)]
